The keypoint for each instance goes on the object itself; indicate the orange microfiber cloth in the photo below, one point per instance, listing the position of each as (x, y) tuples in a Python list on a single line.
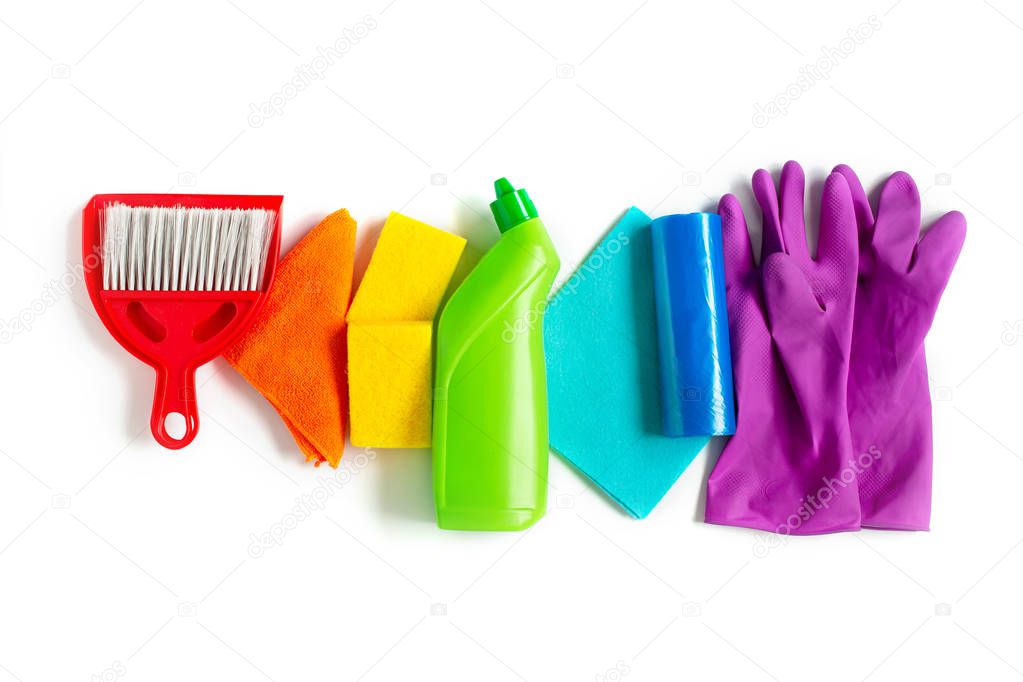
[(295, 351)]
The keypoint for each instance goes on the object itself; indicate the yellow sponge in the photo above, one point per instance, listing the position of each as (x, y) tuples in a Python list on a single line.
[(408, 273), (389, 382), (390, 334)]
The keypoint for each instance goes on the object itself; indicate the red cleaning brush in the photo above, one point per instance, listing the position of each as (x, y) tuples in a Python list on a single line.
[(176, 278)]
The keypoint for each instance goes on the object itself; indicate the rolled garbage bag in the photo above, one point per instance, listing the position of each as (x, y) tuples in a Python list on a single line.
[(697, 398)]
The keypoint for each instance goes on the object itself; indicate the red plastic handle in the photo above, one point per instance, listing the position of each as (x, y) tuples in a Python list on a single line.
[(175, 393)]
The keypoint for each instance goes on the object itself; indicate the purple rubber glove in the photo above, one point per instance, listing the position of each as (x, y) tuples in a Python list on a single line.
[(900, 282), (789, 468)]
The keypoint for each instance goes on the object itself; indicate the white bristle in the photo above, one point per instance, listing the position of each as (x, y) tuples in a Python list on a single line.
[(154, 248)]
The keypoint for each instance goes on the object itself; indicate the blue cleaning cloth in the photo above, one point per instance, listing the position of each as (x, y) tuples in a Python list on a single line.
[(600, 338)]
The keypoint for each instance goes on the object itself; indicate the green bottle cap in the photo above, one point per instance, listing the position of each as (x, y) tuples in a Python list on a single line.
[(512, 206)]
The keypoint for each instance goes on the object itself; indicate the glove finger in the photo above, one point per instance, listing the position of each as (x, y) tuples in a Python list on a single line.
[(864, 215), (936, 255), (809, 347), (792, 209), (735, 241), (897, 227), (837, 250), (767, 196)]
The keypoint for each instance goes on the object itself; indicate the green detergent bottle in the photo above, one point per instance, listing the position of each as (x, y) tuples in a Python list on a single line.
[(490, 404)]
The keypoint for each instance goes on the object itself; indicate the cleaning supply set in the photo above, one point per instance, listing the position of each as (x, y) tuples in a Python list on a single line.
[(180, 276), (833, 429), (901, 279), (670, 332), (490, 443), (601, 344), (791, 319), (390, 333), (692, 326), (295, 353)]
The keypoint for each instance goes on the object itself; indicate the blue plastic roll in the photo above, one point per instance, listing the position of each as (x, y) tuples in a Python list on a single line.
[(697, 398)]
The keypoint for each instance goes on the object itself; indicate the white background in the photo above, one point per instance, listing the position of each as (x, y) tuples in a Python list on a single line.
[(120, 559)]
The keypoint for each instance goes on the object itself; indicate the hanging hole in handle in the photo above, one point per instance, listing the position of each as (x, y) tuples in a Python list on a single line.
[(176, 429), (175, 425)]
